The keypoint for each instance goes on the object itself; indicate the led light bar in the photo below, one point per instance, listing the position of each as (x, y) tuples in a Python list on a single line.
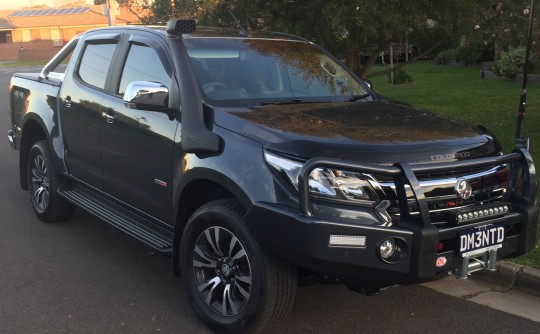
[(347, 241), (487, 212)]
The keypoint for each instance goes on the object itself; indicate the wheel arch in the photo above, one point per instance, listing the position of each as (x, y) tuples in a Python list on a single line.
[(32, 132)]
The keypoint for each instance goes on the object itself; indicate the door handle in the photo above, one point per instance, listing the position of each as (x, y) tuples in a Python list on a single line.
[(109, 116), (67, 102)]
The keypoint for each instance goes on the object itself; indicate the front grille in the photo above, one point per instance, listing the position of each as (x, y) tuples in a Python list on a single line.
[(488, 185)]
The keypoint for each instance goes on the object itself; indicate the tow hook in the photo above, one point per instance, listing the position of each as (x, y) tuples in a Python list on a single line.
[(487, 261)]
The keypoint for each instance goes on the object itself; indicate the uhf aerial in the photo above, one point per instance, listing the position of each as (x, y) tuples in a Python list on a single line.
[(521, 141)]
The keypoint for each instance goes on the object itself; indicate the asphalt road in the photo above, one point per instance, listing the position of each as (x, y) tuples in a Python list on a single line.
[(84, 276)]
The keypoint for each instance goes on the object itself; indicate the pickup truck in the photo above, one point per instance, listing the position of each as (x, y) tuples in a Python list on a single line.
[(260, 161)]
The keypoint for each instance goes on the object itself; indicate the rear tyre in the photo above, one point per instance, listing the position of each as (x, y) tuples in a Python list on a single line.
[(232, 284), (43, 183)]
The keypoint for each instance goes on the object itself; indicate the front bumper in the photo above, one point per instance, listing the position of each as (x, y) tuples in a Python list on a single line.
[(303, 237), (305, 241)]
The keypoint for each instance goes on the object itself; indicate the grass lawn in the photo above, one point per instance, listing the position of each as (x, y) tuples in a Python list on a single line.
[(23, 63), (460, 93)]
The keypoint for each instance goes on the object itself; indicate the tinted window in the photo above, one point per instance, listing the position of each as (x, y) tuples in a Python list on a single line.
[(95, 64), (143, 64)]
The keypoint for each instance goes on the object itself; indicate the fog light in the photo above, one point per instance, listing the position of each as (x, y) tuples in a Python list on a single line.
[(347, 241), (392, 250), (387, 248)]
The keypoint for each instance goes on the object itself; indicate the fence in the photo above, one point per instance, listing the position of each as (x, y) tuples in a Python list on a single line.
[(28, 51)]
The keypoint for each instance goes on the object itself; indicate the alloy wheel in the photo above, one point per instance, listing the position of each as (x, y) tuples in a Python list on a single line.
[(40, 182), (222, 271)]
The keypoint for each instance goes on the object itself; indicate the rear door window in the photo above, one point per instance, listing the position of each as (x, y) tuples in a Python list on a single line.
[(95, 63)]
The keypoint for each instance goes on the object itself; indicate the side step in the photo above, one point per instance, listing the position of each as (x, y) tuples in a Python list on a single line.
[(145, 230)]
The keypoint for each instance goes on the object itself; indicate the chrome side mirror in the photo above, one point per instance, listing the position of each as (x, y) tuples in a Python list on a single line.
[(146, 95)]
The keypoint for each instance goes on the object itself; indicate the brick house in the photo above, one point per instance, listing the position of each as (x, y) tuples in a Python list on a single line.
[(37, 34)]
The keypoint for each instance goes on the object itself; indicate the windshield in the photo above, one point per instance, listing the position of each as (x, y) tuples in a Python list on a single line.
[(248, 72)]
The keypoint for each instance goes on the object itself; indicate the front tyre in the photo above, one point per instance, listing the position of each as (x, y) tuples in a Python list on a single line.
[(42, 185), (232, 284)]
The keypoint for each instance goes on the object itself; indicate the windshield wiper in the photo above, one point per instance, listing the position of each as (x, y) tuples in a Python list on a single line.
[(354, 98), (291, 101)]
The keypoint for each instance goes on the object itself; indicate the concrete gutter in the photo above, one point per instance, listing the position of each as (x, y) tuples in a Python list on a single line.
[(505, 296), (510, 275)]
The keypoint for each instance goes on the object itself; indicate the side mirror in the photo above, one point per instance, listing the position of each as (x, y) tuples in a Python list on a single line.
[(368, 83), (145, 95)]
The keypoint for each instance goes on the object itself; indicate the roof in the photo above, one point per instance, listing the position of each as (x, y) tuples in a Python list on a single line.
[(203, 31), (50, 11), (63, 17), (211, 32), (226, 32), (4, 21)]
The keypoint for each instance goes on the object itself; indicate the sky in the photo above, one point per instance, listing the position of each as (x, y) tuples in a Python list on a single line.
[(16, 4)]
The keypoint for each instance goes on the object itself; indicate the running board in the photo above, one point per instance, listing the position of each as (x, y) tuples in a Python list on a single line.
[(139, 227)]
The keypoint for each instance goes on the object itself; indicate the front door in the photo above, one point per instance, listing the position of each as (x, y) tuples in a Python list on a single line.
[(137, 145)]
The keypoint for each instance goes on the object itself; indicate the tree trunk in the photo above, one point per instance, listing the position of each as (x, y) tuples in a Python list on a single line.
[(351, 59), (496, 50), (369, 63)]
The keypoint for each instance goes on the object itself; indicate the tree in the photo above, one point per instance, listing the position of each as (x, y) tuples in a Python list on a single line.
[(343, 27), (503, 24), (140, 8), (164, 10)]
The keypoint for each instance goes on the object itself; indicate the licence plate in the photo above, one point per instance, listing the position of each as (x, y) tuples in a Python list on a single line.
[(480, 239)]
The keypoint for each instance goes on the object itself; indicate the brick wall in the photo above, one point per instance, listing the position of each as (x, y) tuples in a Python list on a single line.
[(32, 51)]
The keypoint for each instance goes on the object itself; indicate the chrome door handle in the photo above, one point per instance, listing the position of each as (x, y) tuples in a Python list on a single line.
[(108, 116)]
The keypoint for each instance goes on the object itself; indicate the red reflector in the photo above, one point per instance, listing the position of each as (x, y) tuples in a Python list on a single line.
[(440, 246), (441, 261), (451, 203)]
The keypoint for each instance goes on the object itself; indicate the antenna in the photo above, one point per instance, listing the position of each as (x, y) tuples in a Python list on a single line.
[(523, 142), (243, 32)]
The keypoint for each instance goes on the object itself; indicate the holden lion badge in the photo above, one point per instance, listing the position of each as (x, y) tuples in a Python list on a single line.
[(463, 188)]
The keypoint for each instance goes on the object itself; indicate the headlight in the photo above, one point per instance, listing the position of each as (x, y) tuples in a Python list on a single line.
[(325, 182)]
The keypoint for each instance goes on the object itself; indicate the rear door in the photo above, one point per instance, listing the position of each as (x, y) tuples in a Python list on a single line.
[(80, 106), (137, 145)]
